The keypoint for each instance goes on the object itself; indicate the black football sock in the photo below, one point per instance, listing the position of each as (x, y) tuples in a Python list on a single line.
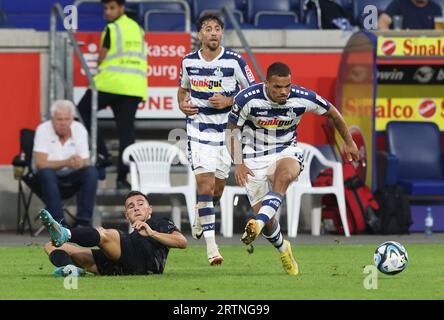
[(85, 236), (60, 258)]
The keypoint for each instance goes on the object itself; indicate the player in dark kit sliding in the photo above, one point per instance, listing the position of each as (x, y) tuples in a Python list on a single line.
[(144, 251)]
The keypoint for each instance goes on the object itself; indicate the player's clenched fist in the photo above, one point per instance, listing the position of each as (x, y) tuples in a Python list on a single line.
[(143, 228)]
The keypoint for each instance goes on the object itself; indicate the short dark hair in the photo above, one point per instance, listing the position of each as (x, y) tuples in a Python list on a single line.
[(119, 2), (278, 69), (206, 17), (136, 193)]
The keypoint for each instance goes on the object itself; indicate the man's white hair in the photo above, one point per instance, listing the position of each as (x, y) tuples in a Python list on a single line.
[(62, 106)]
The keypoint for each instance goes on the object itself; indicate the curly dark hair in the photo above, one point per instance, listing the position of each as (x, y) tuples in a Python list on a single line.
[(119, 2), (207, 17)]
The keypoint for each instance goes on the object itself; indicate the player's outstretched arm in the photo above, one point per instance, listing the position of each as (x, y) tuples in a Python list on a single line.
[(174, 239), (232, 141), (234, 146), (350, 148)]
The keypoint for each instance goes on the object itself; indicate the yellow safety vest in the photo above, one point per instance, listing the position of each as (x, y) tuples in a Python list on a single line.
[(124, 69)]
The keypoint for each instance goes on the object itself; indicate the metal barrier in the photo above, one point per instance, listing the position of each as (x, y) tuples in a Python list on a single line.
[(243, 41), (57, 10), (184, 4)]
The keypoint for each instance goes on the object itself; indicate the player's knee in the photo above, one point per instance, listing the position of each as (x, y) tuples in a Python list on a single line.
[(286, 176), (77, 258), (206, 185), (103, 234), (107, 235), (206, 189), (80, 259), (48, 247)]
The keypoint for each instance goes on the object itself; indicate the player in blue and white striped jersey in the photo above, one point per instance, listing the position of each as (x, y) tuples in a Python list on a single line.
[(268, 115), (209, 80)]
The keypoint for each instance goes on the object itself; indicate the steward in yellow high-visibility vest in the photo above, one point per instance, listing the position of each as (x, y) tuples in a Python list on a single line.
[(124, 69), (121, 81)]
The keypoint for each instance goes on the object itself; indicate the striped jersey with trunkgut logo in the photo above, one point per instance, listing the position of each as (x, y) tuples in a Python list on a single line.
[(227, 74), (268, 127)]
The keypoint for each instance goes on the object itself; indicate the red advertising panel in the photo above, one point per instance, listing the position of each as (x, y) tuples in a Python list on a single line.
[(165, 53), (20, 97), (314, 71)]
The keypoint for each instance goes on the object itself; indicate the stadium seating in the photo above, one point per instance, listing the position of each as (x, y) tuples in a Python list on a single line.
[(347, 5), (30, 13), (304, 186), (162, 16), (3, 19), (164, 21), (440, 2), (161, 5), (91, 15), (265, 14), (420, 172), (156, 16), (311, 18), (201, 7), (297, 7), (31, 6), (256, 6), (150, 165), (309, 13), (275, 20)]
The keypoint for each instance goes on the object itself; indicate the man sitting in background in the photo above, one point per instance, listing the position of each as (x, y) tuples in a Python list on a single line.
[(416, 14), (61, 158)]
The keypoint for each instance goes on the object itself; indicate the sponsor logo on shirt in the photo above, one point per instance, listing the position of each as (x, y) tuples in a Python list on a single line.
[(274, 123), (206, 84), (250, 75), (218, 72)]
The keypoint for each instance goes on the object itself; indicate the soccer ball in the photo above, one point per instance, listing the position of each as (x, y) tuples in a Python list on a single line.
[(391, 257)]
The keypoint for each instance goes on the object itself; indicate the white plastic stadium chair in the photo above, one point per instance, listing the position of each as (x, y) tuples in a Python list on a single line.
[(150, 164), (304, 186), (226, 208)]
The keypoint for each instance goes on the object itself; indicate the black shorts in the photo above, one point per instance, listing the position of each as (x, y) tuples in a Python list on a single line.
[(130, 262)]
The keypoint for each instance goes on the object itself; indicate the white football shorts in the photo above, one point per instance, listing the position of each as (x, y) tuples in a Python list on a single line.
[(263, 167), (205, 158)]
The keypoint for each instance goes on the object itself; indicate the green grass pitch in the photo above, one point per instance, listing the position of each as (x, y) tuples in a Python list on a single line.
[(327, 272)]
